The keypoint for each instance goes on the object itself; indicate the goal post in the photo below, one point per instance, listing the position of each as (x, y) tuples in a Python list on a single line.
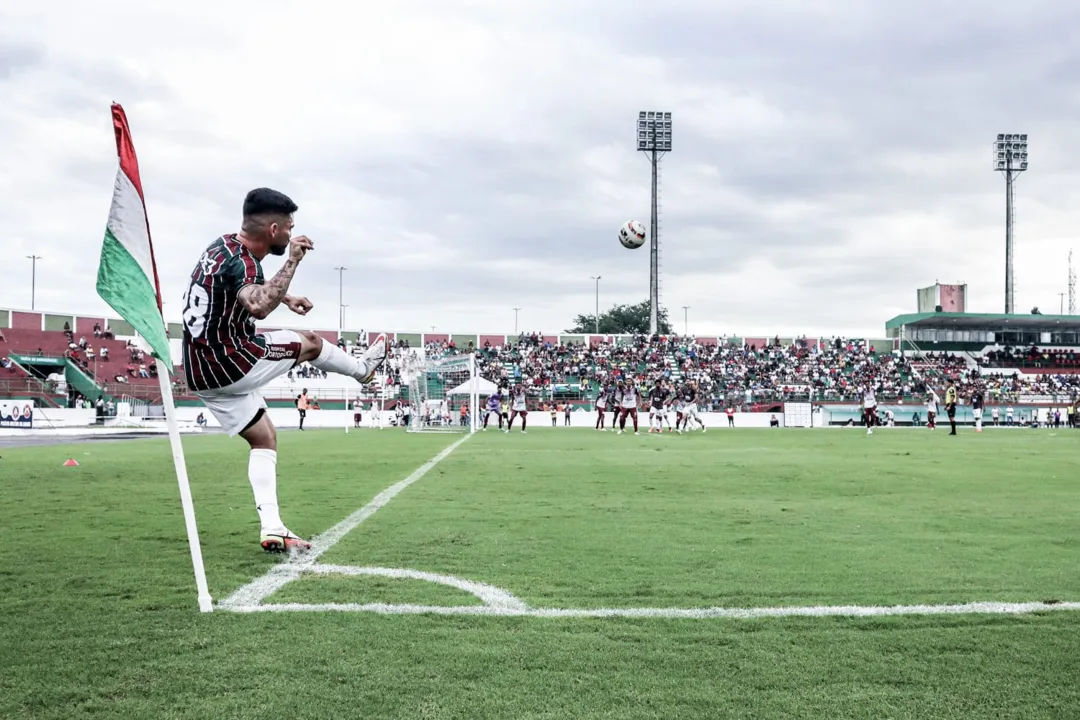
[(438, 389)]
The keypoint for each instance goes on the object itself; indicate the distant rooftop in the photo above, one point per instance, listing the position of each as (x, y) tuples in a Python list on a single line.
[(983, 321)]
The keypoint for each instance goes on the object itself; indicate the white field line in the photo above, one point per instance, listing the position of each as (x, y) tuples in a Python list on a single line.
[(988, 608), (280, 575), (498, 602), (490, 595)]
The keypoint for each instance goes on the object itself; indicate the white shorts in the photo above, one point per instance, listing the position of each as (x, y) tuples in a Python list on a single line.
[(236, 405), (518, 407), (690, 411), (977, 412)]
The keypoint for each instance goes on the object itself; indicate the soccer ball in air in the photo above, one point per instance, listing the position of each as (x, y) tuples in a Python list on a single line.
[(632, 235)]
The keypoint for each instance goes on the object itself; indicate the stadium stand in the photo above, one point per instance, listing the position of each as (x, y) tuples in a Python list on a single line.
[(732, 370)]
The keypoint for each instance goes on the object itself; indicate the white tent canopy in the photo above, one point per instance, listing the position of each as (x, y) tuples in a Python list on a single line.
[(483, 387)]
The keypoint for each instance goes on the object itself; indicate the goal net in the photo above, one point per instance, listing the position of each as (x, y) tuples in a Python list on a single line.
[(438, 390)]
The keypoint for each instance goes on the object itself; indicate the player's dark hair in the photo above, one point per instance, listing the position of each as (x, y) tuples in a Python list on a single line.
[(264, 201)]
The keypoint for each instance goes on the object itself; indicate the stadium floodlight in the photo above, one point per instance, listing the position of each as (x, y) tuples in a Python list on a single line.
[(1010, 152), (654, 138), (33, 278), (596, 317), (341, 297)]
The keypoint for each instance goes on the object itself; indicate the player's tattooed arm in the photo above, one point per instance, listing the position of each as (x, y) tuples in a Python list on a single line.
[(261, 300)]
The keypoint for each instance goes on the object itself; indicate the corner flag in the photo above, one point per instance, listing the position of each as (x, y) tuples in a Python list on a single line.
[(127, 280)]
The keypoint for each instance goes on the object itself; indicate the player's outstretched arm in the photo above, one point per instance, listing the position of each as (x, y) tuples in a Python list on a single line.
[(261, 300)]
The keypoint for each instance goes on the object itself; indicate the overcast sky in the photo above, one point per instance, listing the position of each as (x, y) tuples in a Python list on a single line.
[(465, 157)]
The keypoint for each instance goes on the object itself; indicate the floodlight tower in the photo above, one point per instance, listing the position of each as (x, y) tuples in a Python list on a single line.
[(1072, 286), (1011, 158), (654, 138)]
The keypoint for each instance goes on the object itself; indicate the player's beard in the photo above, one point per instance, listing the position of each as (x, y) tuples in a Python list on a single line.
[(279, 248)]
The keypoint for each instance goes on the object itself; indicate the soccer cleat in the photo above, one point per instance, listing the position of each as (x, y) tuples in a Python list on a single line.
[(285, 541), (373, 358)]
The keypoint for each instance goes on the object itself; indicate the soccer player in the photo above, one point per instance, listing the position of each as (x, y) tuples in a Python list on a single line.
[(302, 405), (226, 361), (690, 408), (679, 405), (869, 409), (950, 405), (494, 406), (628, 399), (602, 397), (519, 406), (658, 398), (358, 409), (977, 407), (931, 410)]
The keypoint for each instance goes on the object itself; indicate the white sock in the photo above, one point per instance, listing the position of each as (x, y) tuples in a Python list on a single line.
[(262, 472), (334, 359)]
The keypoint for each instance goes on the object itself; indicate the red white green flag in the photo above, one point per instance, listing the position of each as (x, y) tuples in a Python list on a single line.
[(127, 277)]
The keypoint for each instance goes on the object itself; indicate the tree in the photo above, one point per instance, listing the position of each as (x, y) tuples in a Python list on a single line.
[(623, 320)]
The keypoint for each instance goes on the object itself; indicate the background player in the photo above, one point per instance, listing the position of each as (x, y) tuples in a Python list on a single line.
[(931, 410), (519, 406), (977, 407), (690, 407), (226, 361), (658, 398), (869, 409), (602, 400), (494, 407), (628, 399)]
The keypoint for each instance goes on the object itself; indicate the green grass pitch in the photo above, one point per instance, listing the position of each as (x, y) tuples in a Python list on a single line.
[(98, 615)]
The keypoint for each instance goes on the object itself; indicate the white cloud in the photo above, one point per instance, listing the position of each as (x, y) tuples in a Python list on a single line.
[(464, 157)]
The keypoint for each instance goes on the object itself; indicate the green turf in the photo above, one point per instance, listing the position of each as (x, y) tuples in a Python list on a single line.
[(368, 589), (98, 618)]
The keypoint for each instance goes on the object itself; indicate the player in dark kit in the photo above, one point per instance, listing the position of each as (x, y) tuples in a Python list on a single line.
[(658, 399), (226, 361), (977, 408)]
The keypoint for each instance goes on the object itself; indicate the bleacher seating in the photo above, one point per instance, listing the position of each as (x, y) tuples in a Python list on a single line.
[(118, 361), (731, 370)]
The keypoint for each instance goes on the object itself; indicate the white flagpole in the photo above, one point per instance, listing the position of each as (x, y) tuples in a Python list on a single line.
[(205, 603)]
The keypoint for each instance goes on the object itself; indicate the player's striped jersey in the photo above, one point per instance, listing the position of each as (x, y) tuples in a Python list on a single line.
[(627, 397), (977, 400), (869, 401), (688, 395), (658, 396), (220, 345)]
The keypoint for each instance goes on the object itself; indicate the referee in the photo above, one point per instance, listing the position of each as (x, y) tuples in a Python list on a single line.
[(950, 405)]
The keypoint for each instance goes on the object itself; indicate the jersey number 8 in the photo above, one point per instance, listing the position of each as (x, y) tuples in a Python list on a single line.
[(196, 306)]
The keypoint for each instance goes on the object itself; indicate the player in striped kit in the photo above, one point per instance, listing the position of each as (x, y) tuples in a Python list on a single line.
[(518, 406), (604, 399), (688, 395), (627, 398), (869, 409), (226, 361)]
